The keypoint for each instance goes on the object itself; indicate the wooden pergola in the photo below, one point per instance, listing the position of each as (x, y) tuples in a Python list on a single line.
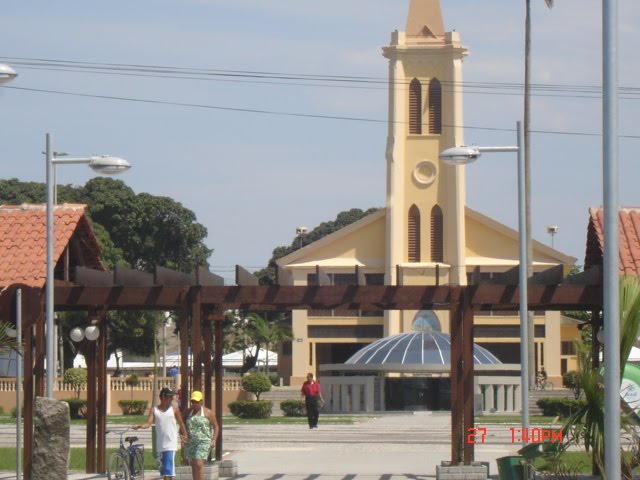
[(201, 298)]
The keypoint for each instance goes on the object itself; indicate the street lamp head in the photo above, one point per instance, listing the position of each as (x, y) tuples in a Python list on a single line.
[(6, 73), (107, 165), (459, 155)]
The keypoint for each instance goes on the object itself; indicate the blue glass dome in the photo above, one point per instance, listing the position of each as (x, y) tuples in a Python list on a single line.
[(421, 347)]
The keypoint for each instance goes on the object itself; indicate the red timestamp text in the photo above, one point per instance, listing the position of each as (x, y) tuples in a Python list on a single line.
[(518, 435)]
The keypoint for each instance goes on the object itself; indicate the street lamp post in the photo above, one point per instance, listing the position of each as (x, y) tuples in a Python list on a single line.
[(462, 156), (101, 164)]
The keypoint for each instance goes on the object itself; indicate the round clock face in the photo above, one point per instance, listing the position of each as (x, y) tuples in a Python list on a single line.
[(425, 172)]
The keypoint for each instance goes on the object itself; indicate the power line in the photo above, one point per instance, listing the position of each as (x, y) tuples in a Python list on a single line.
[(279, 78), (289, 114)]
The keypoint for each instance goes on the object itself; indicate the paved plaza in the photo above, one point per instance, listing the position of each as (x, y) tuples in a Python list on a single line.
[(386, 447)]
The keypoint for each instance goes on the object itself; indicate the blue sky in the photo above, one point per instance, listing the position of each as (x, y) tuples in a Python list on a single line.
[(252, 178)]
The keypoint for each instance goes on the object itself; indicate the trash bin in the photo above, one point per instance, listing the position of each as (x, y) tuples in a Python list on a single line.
[(510, 468)]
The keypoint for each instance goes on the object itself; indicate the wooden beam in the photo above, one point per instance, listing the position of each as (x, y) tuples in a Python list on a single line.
[(370, 297), (283, 278), (510, 277), (166, 276), (550, 276), (592, 276), (245, 277), (89, 277), (184, 360), (129, 277), (322, 278), (207, 279)]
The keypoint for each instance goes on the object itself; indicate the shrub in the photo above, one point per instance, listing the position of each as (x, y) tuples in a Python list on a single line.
[(77, 407), (2, 410), (559, 407), (293, 408), (251, 408), (133, 407), (573, 380), (77, 378), (14, 412), (132, 381), (256, 383)]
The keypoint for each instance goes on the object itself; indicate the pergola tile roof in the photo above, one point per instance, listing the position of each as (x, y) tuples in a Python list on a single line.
[(629, 231), (23, 241)]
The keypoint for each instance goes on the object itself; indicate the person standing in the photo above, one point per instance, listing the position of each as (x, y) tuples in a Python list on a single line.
[(312, 396), (203, 431), (167, 420)]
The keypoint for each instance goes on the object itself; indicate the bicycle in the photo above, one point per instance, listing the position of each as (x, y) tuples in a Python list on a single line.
[(128, 462), (542, 383)]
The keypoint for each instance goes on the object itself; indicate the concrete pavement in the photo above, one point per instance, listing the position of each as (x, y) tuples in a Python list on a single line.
[(382, 447)]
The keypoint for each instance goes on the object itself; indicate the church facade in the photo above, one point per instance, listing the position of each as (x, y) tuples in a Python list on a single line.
[(426, 234)]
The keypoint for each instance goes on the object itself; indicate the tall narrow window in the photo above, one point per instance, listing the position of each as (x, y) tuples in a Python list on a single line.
[(414, 234), (437, 235), (435, 106), (415, 107)]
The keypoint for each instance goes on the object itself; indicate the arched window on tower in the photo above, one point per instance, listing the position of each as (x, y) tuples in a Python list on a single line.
[(414, 234), (437, 235), (415, 107), (435, 106)]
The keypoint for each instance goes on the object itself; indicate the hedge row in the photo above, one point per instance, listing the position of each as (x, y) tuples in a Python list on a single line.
[(559, 407)]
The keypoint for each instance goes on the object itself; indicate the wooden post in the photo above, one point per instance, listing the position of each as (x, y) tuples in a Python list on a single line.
[(185, 372), (217, 351), (468, 374), (196, 340), (101, 410), (207, 336), (457, 376), (28, 397), (90, 441)]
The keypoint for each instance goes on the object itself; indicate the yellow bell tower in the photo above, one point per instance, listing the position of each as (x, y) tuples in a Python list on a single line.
[(425, 199)]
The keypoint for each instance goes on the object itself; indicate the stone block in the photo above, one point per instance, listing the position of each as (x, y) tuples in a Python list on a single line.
[(50, 439)]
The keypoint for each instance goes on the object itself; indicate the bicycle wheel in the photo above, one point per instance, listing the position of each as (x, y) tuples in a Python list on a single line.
[(548, 385), (136, 459), (118, 469)]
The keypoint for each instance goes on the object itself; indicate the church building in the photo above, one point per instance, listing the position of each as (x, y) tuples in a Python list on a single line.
[(426, 234)]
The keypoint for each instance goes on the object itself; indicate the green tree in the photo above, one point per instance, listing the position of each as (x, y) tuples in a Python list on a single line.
[(256, 383), (140, 231), (267, 333), (343, 219), (7, 342), (132, 381), (77, 378)]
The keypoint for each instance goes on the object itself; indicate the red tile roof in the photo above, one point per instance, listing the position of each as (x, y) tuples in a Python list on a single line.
[(629, 231), (23, 241)]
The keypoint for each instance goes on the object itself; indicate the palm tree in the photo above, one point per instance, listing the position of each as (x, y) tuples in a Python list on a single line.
[(7, 341), (268, 333), (586, 424), (527, 167)]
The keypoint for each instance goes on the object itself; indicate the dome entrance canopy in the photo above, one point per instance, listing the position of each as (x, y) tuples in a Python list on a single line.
[(415, 348)]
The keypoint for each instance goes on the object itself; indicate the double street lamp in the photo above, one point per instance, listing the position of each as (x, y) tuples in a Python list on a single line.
[(462, 156), (102, 164)]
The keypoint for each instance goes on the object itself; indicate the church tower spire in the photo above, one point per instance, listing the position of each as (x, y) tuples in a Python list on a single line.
[(425, 19), (425, 199)]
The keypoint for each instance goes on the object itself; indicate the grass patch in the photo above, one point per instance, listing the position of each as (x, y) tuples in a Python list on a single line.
[(77, 461), (127, 420)]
